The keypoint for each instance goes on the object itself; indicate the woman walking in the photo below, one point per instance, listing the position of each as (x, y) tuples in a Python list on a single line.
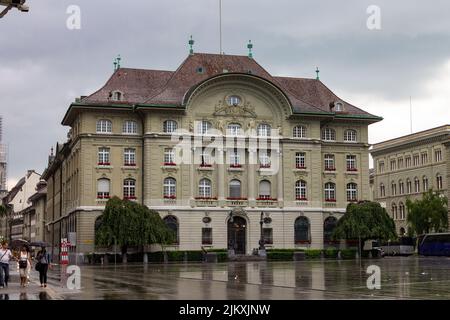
[(24, 260), (5, 257), (43, 260)]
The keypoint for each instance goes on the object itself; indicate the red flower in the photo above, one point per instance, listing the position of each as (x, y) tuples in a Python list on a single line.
[(301, 199), (330, 200), (300, 167), (352, 169), (170, 197), (104, 164), (236, 166), (130, 164), (170, 164), (264, 165), (330, 169), (230, 198)]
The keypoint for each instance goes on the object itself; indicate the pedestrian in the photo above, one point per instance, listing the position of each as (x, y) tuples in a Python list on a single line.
[(43, 260), (5, 257), (24, 260)]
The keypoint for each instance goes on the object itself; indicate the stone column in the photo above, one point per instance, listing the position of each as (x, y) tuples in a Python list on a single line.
[(251, 177), (192, 175), (280, 179), (221, 177)]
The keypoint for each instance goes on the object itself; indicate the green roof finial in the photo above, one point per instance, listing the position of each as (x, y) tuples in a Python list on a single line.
[(250, 47), (317, 72), (115, 65), (191, 44), (118, 61)]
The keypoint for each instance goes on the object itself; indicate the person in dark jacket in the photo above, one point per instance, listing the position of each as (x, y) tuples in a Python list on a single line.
[(43, 259)]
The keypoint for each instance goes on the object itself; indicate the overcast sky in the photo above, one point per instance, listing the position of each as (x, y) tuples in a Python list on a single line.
[(44, 65)]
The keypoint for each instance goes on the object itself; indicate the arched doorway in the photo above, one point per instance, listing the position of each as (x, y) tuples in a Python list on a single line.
[(237, 234), (328, 227), (402, 231)]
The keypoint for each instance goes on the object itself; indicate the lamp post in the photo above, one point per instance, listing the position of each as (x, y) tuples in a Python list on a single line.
[(262, 248)]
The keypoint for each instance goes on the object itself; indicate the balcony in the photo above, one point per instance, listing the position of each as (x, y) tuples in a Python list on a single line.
[(235, 167), (206, 167), (330, 203), (206, 202), (266, 202), (237, 202), (170, 200)]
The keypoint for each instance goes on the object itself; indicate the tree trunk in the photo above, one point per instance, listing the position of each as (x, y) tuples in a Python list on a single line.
[(124, 254)]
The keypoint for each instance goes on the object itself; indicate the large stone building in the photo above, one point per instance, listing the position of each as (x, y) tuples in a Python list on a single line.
[(3, 162), (293, 157), (407, 166)]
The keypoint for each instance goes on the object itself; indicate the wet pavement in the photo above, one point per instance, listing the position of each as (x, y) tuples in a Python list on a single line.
[(31, 292), (401, 278)]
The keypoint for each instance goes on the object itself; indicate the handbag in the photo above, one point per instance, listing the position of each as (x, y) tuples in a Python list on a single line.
[(38, 266), (23, 264)]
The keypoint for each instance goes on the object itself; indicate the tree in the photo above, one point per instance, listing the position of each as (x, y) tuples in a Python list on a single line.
[(126, 223), (365, 220), (428, 214), (3, 214)]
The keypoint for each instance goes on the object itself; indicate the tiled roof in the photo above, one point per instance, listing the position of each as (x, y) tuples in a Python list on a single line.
[(153, 87)]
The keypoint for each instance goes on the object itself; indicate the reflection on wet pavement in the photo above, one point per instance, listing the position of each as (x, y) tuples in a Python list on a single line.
[(25, 296), (401, 278)]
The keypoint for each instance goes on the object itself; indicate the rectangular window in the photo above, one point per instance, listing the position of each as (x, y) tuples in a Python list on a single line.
[(351, 163), (416, 160), (394, 189), (401, 188), (382, 191), (439, 182), (129, 156), (393, 165), (268, 235), (408, 187), (207, 236), (264, 158), (408, 162), (437, 155), (103, 157), (300, 160), (381, 166), (425, 184), (235, 158), (205, 157), (400, 163), (329, 162), (169, 156), (424, 157)]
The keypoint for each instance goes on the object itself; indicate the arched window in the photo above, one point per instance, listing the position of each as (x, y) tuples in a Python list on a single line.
[(330, 191), (328, 134), (393, 188), (264, 130), (235, 189), (352, 191), (425, 183), (172, 223), (103, 188), (129, 127), (416, 185), (170, 126), (170, 188), (350, 135), (302, 230), (204, 188), (234, 129), (264, 189), (382, 190), (116, 95), (408, 186), (104, 126), (401, 208), (328, 227), (300, 190), (299, 132), (401, 187), (204, 127), (129, 189), (438, 181), (394, 211)]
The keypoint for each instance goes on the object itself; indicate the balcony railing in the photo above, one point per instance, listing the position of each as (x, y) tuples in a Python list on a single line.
[(237, 202), (206, 201), (266, 202)]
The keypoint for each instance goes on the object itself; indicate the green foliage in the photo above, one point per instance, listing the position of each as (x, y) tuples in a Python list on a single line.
[(194, 255), (222, 256), (429, 214), (175, 255), (2, 211), (283, 250), (365, 220), (331, 253), (280, 255), (128, 223), (348, 254), (313, 253), (156, 257), (217, 250)]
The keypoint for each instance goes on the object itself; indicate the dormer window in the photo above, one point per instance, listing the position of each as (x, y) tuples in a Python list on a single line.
[(200, 70), (338, 107), (116, 95)]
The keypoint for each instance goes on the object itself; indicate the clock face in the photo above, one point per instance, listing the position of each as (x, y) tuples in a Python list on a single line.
[(267, 220), (206, 220)]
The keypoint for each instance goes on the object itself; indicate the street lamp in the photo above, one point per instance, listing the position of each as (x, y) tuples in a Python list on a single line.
[(262, 248), (230, 241)]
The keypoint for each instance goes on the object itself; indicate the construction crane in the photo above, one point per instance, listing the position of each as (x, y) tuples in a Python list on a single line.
[(10, 4)]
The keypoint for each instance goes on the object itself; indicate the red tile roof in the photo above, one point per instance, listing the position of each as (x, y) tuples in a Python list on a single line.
[(154, 87)]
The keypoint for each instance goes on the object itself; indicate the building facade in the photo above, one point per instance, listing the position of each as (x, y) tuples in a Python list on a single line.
[(408, 166), (34, 223), (220, 148), (3, 162)]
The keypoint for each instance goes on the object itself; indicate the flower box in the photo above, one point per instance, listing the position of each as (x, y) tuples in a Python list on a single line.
[(204, 165), (205, 198), (130, 198), (301, 199), (352, 169), (103, 197), (266, 198), (330, 169), (170, 197), (236, 166), (130, 164), (264, 166), (236, 198), (170, 164), (300, 167), (303, 242), (104, 163), (330, 200)]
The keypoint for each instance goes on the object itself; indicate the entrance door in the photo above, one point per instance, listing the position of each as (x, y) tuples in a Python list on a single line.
[(237, 234)]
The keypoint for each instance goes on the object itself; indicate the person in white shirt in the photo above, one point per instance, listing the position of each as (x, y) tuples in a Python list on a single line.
[(5, 257)]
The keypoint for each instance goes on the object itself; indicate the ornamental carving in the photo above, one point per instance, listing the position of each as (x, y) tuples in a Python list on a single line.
[(245, 110)]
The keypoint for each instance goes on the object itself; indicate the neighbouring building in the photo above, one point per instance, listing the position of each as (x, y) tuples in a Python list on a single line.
[(295, 155), (34, 223), (17, 204), (3, 162), (408, 166)]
